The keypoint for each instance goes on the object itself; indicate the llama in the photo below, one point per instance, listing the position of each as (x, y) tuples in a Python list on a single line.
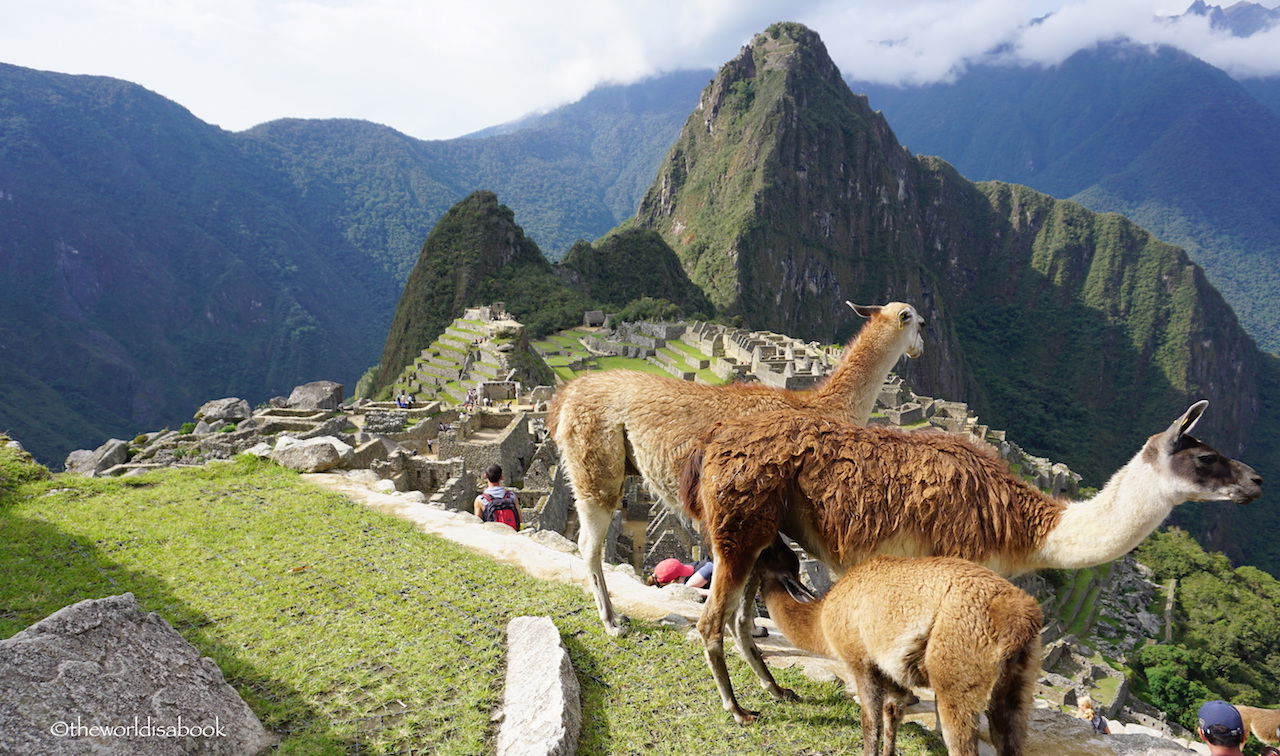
[(1263, 723), (846, 492), (938, 622), (612, 423)]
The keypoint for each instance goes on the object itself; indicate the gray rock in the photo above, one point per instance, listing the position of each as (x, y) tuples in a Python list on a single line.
[(312, 454), (103, 663), (223, 411), (113, 452), (1052, 733), (323, 395), (542, 710)]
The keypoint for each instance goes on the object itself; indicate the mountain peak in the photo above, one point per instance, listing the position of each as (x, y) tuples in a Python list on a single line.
[(778, 129)]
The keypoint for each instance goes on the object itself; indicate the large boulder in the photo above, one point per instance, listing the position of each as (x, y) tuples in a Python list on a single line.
[(219, 412), (103, 677), (321, 395), (542, 714), (113, 452), (313, 454)]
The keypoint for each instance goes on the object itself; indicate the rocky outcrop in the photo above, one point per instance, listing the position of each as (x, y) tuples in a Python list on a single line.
[(317, 395), (103, 677)]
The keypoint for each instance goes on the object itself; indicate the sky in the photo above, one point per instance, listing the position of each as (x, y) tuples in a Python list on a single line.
[(438, 70)]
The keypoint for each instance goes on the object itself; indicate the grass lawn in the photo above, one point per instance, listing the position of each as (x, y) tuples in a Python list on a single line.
[(349, 631), (627, 363)]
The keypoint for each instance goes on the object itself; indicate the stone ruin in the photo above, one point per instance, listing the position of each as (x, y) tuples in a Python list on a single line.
[(441, 452)]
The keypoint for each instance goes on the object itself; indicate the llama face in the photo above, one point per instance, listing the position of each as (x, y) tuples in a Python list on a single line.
[(1214, 476), (910, 321), (1198, 469)]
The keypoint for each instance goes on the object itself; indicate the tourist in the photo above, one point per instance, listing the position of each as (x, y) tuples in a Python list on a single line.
[(1090, 715), (497, 503), (1221, 727), (696, 576)]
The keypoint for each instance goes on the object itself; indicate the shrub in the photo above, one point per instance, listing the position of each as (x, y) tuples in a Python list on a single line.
[(187, 428)]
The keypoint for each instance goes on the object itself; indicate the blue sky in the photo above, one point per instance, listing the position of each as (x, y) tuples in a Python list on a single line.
[(437, 70)]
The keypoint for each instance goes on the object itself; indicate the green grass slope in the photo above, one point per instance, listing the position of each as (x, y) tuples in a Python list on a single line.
[(349, 631)]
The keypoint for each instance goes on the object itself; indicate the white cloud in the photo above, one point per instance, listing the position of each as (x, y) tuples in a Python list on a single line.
[(438, 68)]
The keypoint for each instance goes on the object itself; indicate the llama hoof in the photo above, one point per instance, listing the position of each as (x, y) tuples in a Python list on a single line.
[(786, 694), (759, 631), (745, 717), (617, 629)]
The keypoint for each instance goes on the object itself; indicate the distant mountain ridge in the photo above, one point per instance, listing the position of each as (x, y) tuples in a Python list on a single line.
[(1156, 135), (152, 260)]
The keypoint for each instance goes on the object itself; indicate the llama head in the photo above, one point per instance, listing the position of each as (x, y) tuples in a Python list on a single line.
[(779, 564), (1196, 469), (909, 323)]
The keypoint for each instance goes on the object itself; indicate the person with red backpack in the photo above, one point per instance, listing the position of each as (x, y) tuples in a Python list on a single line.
[(498, 503)]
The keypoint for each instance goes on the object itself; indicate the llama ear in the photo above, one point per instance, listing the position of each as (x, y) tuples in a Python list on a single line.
[(1188, 420), (865, 311), (796, 589)]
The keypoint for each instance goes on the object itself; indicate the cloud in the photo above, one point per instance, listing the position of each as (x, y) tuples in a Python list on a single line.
[(934, 41), (442, 68)]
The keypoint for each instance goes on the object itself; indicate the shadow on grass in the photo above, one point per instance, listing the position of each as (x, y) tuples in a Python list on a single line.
[(45, 569)]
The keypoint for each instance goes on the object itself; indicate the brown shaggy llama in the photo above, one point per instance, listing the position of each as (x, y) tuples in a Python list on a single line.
[(846, 492), (1263, 723), (618, 422), (937, 622)]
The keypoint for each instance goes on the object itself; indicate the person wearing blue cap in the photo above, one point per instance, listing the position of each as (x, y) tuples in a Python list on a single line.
[(1221, 728)]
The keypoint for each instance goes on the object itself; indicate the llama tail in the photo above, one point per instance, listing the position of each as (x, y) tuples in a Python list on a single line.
[(691, 481), (1021, 621)]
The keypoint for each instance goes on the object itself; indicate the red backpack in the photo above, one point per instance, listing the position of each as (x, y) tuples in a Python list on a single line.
[(503, 510)]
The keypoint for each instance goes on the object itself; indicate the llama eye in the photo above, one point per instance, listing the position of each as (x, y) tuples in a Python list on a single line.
[(1205, 460)]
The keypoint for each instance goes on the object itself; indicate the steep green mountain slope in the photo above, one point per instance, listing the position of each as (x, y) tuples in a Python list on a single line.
[(149, 264), (475, 254), (1165, 139), (628, 265), (1081, 332)]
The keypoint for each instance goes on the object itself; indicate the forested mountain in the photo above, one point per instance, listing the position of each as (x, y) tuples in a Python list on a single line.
[(1161, 137), (149, 264), (152, 261)]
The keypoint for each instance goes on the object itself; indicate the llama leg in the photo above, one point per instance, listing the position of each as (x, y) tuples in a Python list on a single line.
[(711, 626), (593, 527), (871, 698), (740, 627), (959, 722), (1010, 705), (891, 709)]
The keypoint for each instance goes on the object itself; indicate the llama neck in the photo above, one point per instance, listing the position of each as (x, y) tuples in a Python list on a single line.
[(1102, 529), (853, 387), (801, 623)]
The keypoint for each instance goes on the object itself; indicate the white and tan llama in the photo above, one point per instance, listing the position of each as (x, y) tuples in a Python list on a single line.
[(1263, 723), (618, 422), (846, 492), (946, 624)]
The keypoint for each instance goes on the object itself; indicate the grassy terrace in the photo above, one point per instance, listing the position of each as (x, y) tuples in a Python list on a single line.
[(349, 631)]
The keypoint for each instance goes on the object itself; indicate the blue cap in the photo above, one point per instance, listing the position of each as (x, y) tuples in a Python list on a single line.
[(1223, 715)]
